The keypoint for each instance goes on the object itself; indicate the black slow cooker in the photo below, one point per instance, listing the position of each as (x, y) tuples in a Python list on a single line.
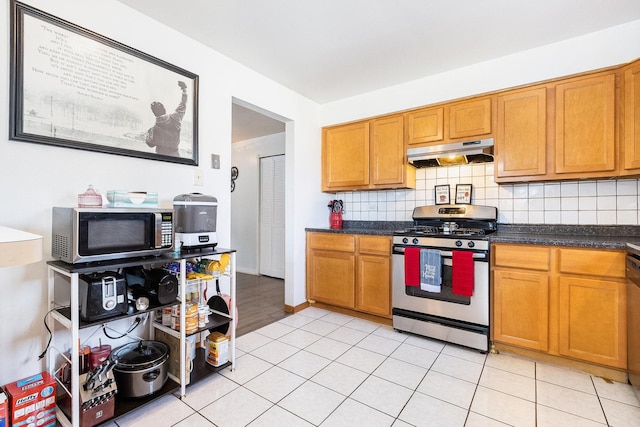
[(141, 367)]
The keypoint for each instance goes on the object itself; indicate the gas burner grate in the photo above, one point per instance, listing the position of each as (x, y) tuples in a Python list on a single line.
[(469, 231), (422, 229)]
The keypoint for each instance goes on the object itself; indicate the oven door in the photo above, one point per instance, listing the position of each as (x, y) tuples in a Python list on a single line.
[(446, 304)]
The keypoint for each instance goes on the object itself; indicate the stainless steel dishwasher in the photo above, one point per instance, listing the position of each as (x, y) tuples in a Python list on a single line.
[(633, 316)]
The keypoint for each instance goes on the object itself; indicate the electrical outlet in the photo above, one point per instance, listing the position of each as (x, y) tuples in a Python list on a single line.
[(372, 207), (198, 177)]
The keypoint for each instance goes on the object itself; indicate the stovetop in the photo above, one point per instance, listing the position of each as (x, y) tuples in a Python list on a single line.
[(452, 221), (440, 231)]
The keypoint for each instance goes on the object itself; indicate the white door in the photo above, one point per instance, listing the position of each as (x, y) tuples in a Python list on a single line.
[(271, 259)]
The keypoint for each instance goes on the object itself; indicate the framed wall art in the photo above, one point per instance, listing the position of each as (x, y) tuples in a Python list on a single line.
[(73, 88), (463, 194), (442, 194)]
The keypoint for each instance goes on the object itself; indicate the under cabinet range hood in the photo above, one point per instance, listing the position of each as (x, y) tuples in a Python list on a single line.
[(454, 153)]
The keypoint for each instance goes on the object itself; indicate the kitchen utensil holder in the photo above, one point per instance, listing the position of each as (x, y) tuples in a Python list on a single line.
[(335, 220)]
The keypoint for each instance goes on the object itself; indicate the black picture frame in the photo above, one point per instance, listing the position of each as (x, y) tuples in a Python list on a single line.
[(442, 194), (463, 194), (74, 88)]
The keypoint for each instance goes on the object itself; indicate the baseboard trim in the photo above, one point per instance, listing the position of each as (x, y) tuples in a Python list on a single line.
[(297, 308)]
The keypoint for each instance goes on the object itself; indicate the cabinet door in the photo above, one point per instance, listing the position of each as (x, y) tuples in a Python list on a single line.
[(424, 126), (521, 135), (373, 275), (373, 285), (387, 150), (345, 156), (331, 277), (593, 320), (470, 118), (632, 116), (585, 125), (521, 309)]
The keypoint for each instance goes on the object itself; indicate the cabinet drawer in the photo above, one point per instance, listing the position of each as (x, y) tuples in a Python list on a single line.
[(593, 262), (331, 241), (375, 245), (521, 256)]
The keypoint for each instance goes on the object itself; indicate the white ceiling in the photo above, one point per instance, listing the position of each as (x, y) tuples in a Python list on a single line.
[(333, 49)]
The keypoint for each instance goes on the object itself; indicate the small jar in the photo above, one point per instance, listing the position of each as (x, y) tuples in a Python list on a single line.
[(90, 199)]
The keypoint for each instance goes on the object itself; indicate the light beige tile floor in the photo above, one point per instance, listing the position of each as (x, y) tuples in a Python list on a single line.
[(318, 368)]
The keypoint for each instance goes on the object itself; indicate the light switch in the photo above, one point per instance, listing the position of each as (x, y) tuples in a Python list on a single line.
[(215, 161)]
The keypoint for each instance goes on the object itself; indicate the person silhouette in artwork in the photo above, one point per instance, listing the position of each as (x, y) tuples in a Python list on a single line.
[(165, 134)]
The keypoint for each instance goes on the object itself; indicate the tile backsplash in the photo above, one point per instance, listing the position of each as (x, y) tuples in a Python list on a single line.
[(601, 201)]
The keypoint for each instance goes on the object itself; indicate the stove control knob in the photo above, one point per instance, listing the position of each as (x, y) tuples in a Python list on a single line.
[(458, 243), (415, 240), (405, 240), (471, 244)]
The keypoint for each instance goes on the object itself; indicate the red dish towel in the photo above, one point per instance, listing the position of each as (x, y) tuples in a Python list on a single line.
[(412, 266), (462, 273)]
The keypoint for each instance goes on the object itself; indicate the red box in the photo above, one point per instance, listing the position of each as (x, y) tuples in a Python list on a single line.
[(33, 400), (4, 409)]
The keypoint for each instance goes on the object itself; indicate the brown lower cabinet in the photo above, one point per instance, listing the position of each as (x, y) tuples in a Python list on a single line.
[(350, 270), (561, 301)]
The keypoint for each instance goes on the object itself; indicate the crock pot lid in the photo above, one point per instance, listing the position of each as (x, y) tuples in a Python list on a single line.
[(140, 353)]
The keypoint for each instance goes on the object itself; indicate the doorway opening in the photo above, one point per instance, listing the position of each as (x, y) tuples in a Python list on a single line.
[(257, 200)]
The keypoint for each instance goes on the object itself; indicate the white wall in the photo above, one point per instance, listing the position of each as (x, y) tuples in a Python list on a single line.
[(613, 46), (245, 199), (36, 177)]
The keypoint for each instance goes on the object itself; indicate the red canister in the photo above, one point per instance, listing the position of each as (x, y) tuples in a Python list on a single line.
[(335, 220)]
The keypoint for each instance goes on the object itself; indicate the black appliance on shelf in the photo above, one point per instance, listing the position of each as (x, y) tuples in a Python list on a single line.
[(159, 285), (102, 295)]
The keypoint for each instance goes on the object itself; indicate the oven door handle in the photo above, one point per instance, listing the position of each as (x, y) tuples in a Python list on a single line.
[(450, 254), (476, 255)]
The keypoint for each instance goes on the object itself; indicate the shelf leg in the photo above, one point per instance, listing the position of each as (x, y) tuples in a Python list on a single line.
[(183, 309), (232, 262)]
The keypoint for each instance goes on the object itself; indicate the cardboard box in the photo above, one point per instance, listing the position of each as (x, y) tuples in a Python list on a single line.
[(4, 409), (174, 353), (33, 400)]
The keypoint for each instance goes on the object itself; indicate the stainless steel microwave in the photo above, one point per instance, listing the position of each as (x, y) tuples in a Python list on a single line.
[(97, 234)]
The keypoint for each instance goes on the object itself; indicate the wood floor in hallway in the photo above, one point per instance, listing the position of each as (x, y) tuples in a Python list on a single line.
[(260, 301)]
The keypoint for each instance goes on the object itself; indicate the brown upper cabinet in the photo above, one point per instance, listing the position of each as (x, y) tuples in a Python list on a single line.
[(521, 134), (631, 117), (345, 156), (471, 118), (425, 126), (450, 122), (366, 155), (585, 125), (560, 130)]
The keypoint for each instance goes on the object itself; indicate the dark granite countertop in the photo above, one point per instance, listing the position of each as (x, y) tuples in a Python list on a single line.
[(589, 236)]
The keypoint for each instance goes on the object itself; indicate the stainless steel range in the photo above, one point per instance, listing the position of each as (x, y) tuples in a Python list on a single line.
[(441, 274)]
